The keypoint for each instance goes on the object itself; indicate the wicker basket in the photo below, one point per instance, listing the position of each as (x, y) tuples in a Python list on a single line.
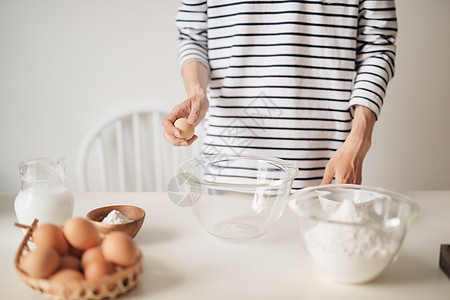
[(109, 287)]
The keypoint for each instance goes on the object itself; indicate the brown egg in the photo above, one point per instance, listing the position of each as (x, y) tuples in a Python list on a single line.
[(186, 129), (70, 262), (97, 269), (41, 262), (75, 252), (119, 248), (81, 233), (65, 275), (90, 255), (49, 235)]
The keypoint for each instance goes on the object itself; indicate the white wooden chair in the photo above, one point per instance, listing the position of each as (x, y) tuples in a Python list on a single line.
[(131, 154)]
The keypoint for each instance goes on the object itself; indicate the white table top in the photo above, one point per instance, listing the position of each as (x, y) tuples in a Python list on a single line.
[(182, 261)]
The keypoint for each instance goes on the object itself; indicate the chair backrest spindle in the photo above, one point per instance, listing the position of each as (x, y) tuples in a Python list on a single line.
[(120, 156), (157, 153), (137, 152), (102, 163)]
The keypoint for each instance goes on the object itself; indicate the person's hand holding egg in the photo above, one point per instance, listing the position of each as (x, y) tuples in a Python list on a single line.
[(179, 125)]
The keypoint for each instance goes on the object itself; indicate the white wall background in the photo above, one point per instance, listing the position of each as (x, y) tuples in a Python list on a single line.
[(64, 64)]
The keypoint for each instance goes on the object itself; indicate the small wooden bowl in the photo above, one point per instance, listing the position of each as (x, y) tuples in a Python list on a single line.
[(134, 213)]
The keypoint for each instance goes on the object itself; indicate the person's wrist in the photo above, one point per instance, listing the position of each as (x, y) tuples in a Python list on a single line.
[(360, 136), (196, 91), (358, 144), (199, 105)]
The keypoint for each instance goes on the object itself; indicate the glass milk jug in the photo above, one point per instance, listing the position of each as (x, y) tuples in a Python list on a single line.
[(43, 194)]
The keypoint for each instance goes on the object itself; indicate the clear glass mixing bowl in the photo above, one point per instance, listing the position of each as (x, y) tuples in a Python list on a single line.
[(360, 236), (238, 198)]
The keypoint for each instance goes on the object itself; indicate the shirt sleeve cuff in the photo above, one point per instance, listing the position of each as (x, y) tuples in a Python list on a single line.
[(188, 51), (364, 100)]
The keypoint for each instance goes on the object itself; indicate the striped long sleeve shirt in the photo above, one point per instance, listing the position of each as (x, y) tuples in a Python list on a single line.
[(285, 74)]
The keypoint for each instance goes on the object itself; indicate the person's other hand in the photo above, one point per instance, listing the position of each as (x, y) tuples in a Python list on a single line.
[(346, 163), (194, 109)]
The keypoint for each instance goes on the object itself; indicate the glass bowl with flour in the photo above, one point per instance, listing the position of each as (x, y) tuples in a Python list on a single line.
[(353, 244)]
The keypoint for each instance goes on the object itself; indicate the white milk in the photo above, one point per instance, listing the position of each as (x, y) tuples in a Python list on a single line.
[(48, 206)]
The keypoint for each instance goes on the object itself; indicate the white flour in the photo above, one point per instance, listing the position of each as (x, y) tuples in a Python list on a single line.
[(116, 217), (351, 253)]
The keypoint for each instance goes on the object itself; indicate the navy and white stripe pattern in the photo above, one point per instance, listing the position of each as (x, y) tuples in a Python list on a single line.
[(285, 74)]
